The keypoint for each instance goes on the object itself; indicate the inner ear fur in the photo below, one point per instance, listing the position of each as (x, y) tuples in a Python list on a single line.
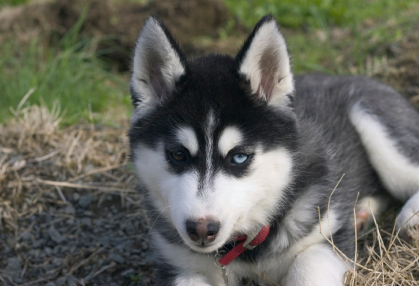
[(264, 61), (158, 64)]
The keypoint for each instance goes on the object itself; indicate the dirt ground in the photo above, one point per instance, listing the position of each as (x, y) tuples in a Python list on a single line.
[(69, 210), (401, 66), (116, 24)]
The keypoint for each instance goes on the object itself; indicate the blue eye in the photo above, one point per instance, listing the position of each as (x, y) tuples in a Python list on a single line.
[(240, 158)]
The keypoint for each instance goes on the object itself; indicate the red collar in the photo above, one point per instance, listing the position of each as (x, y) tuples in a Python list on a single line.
[(247, 243)]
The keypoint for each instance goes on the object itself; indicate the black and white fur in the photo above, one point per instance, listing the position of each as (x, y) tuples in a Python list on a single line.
[(299, 135)]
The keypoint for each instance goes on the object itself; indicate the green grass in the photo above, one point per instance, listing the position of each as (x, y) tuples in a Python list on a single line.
[(316, 13), (311, 53), (70, 74), (12, 2), (368, 26)]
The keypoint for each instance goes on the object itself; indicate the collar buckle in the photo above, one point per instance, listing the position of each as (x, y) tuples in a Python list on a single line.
[(248, 240)]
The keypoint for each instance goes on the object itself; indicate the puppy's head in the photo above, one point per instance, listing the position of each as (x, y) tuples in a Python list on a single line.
[(213, 139)]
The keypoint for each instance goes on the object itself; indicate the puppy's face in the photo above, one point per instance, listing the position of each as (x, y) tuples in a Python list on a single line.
[(228, 175), (213, 139)]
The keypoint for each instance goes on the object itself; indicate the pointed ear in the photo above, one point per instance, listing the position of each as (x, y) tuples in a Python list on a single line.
[(264, 61), (158, 64)]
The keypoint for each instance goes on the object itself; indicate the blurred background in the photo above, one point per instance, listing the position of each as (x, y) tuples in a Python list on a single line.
[(70, 213), (79, 51)]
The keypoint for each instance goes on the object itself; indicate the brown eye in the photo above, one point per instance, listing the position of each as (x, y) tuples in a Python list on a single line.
[(178, 155)]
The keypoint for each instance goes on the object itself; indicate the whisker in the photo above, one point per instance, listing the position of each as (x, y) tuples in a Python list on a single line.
[(151, 227)]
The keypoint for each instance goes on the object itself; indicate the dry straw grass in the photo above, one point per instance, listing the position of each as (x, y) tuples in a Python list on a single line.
[(386, 259)]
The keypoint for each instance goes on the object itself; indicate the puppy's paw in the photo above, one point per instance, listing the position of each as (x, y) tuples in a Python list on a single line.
[(408, 218), (366, 207), (191, 280), (318, 265)]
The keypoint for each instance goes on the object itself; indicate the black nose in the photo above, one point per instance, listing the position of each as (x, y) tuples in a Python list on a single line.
[(202, 230)]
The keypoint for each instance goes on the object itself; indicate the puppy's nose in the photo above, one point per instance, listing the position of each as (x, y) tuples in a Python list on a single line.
[(204, 230)]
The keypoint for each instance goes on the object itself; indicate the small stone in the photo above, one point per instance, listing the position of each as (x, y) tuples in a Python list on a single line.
[(86, 221), (128, 272), (149, 259), (13, 267), (61, 281), (116, 258), (88, 268), (104, 241), (48, 250), (88, 168), (69, 210), (38, 243), (27, 237), (135, 251), (57, 261), (55, 235), (14, 159), (76, 197), (17, 280), (126, 246), (71, 281), (49, 267), (135, 258), (119, 216), (117, 241), (56, 250), (85, 200), (50, 284)]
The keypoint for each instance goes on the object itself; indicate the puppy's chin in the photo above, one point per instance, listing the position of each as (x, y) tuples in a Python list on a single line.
[(205, 249), (211, 247)]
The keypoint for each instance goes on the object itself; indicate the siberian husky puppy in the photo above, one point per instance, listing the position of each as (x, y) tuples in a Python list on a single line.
[(239, 159)]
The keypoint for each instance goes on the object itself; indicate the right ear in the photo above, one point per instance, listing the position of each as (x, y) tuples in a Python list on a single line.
[(158, 65)]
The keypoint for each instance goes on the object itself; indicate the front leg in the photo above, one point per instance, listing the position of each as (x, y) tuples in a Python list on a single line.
[(408, 217), (191, 279), (317, 265), (167, 275)]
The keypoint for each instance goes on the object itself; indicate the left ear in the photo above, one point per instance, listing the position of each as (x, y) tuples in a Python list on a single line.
[(264, 61)]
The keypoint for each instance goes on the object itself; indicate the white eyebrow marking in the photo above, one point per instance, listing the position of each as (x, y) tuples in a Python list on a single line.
[(187, 137), (230, 138), (209, 133)]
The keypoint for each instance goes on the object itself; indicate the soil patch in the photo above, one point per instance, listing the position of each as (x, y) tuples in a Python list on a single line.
[(401, 70), (116, 24)]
